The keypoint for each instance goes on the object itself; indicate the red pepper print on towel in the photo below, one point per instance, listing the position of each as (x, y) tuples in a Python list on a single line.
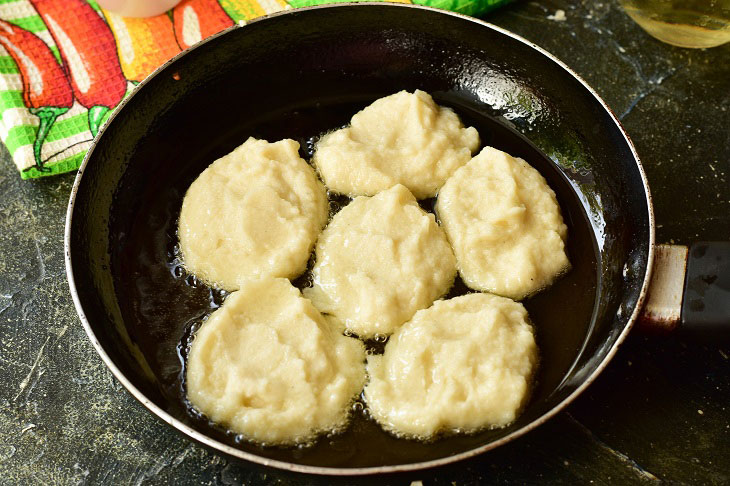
[(46, 91), (197, 19), (89, 55)]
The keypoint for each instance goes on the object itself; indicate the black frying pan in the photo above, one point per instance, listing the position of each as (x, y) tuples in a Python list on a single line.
[(295, 75)]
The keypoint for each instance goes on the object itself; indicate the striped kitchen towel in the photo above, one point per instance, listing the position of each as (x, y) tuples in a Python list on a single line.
[(66, 64)]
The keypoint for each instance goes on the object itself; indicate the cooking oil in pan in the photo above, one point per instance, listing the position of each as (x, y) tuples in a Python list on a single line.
[(163, 305)]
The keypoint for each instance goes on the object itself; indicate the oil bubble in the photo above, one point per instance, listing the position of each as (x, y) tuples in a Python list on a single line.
[(310, 145), (380, 338), (216, 297)]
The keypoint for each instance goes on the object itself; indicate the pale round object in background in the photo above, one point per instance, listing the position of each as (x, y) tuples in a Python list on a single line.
[(268, 366), (404, 139), (459, 366), (504, 224), (137, 8), (380, 260), (253, 213)]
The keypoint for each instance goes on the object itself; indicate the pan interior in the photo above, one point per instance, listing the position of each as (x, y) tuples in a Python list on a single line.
[(332, 62), (160, 304)]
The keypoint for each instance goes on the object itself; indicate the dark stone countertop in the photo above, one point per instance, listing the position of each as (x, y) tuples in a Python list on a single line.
[(659, 412)]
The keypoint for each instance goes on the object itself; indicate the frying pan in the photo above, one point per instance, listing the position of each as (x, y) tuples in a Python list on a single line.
[(296, 75)]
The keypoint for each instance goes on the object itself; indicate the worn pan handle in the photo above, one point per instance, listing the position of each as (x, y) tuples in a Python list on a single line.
[(690, 290)]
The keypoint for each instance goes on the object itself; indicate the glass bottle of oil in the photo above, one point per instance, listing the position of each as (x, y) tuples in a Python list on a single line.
[(684, 23)]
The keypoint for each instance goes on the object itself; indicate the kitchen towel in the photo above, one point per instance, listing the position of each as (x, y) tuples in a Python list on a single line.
[(66, 64)]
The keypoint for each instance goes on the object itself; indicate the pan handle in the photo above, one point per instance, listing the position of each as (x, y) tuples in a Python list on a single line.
[(690, 290)]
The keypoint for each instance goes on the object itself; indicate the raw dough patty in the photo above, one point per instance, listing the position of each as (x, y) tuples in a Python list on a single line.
[(253, 213), (267, 365), (380, 260), (461, 365), (403, 138), (504, 224)]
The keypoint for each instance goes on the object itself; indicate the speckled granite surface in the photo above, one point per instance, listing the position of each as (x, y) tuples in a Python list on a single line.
[(659, 412)]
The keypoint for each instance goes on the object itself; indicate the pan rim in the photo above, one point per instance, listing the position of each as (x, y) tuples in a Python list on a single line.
[(371, 470)]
